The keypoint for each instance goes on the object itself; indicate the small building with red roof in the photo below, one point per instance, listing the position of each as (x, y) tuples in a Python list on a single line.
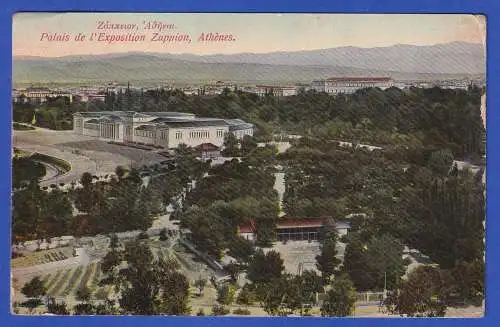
[(297, 229), (207, 151)]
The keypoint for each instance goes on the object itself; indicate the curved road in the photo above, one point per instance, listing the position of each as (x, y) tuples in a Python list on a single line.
[(51, 171), (79, 163)]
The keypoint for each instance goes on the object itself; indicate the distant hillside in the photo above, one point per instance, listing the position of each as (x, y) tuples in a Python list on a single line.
[(453, 60), (449, 58)]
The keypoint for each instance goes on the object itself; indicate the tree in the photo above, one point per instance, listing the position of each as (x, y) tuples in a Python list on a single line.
[(231, 145), (265, 267), (277, 296), (310, 285), (370, 264), (248, 144), (234, 270), (86, 179), (175, 293), (163, 234), (139, 288), (225, 294), (440, 162), (241, 249), (149, 286), (57, 308), (468, 278), (247, 295), (424, 294), (83, 294), (340, 299), (84, 309), (219, 310), (200, 285), (120, 172), (327, 261), (32, 304), (35, 288)]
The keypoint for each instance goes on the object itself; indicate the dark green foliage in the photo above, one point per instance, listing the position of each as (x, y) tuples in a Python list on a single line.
[(247, 295), (163, 235), (83, 293), (424, 294), (38, 214), (231, 146), (242, 312), (57, 308), (370, 264), (84, 309), (327, 261), (25, 170), (200, 285), (148, 286), (340, 299), (265, 267), (219, 310), (440, 162), (34, 288), (225, 294), (233, 194), (32, 304)]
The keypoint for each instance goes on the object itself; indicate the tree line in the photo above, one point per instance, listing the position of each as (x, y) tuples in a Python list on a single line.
[(441, 118)]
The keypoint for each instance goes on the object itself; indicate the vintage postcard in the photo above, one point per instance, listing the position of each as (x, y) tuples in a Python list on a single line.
[(324, 165)]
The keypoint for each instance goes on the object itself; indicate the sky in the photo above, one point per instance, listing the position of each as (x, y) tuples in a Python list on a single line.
[(255, 33)]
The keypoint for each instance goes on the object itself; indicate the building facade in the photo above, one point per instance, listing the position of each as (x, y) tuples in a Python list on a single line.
[(296, 229), (274, 90), (38, 95), (161, 129), (348, 85)]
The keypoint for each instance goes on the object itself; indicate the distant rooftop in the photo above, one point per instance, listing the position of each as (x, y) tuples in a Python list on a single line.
[(360, 79)]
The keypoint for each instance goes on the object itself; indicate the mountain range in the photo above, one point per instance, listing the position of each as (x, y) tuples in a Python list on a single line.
[(449, 60)]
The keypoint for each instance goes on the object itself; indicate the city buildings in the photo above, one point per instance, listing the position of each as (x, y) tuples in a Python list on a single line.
[(38, 95), (348, 85), (164, 129), (275, 90)]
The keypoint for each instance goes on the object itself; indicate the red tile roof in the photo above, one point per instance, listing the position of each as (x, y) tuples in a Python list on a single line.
[(300, 222), (245, 229), (289, 223)]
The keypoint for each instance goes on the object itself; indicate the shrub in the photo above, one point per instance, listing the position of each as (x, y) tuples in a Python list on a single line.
[(243, 312), (225, 294), (200, 312), (142, 236), (163, 234), (219, 310), (246, 296), (83, 293)]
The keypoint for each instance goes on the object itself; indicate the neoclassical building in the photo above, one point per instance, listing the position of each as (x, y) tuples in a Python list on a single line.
[(166, 129)]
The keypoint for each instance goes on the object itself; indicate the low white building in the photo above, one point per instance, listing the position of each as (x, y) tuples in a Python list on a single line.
[(163, 129), (348, 85), (275, 90)]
